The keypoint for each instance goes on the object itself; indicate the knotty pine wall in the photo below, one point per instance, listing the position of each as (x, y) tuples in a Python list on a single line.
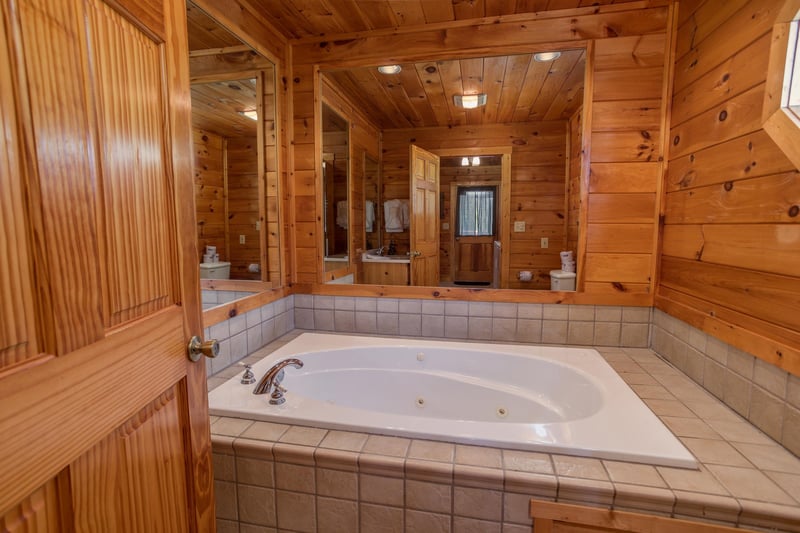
[(537, 185), (209, 191), (241, 158), (628, 44), (574, 164), (731, 238)]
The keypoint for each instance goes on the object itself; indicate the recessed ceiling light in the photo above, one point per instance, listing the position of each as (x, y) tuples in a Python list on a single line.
[(469, 101), (252, 114), (546, 56), (465, 161), (390, 69)]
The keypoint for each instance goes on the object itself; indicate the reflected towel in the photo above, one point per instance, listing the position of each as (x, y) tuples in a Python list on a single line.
[(341, 214), (369, 215), (404, 214), (393, 216)]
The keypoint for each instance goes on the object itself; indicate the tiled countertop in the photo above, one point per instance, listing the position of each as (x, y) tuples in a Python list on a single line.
[(744, 479)]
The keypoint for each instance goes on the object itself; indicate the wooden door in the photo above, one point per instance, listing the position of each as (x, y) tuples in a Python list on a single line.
[(473, 255), (424, 214), (103, 419)]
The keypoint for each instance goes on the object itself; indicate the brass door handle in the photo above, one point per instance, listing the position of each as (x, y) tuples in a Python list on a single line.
[(415, 253), (198, 348)]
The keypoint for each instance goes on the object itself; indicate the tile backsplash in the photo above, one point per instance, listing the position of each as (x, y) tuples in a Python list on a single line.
[(491, 321), (760, 392), (242, 335)]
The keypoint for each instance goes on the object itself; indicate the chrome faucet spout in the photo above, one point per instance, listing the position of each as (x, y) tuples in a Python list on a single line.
[(270, 383)]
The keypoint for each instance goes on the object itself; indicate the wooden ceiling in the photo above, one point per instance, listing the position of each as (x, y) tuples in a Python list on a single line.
[(303, 19), (217, 58), (518, 89)]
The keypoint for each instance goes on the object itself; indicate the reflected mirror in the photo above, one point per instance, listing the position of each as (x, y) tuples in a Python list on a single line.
[(510, 162), (372, 205), (335, 189), (236, 174)]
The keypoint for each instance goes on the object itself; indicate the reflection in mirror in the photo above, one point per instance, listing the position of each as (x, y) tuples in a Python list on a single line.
[(372, 204), (531, 115), (335, 173), (236, 178)]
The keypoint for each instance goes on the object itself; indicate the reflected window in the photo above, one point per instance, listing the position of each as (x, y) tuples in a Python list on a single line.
[(475, 211)]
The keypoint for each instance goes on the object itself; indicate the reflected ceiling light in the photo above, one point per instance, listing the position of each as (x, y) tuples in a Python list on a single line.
[(390, 69), (476, 161), (252, 114), (465, 161), (546, 56), (469, 101)]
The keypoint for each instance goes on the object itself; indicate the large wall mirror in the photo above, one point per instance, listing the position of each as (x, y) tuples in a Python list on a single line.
[(236, 161), (507, 133)]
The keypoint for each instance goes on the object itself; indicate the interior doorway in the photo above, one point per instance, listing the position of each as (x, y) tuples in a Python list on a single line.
[(474, 232)]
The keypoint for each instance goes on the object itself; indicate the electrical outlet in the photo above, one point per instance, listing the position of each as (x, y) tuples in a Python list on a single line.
[(545, 242), (519, 226), (241, 239), (258, 225), (445, 226)]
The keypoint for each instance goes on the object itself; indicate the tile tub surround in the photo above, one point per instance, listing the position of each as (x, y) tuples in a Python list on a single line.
[(586, 325), (297, 478), (244, 334), (760, 392)]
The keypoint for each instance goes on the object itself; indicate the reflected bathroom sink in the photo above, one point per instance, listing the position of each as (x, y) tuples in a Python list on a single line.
[(372, 256)]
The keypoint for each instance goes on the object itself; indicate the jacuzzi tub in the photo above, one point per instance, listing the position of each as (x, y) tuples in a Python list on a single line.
[(538, 398)]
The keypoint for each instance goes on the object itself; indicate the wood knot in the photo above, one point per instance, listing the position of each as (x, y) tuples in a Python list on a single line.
[(646, 134), (430, 69), (232, 313), (728, 185), (779, 353), (436, 294), (794, 211), (618, 286), (723, 115), (676, 140)]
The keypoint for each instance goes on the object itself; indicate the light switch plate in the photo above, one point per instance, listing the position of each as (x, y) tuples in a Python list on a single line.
[(445, 226), (519, 226), (241, 239), (545, 242)]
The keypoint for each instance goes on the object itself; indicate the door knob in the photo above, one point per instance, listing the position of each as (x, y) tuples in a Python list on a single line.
[(415, 253), (198, 348)]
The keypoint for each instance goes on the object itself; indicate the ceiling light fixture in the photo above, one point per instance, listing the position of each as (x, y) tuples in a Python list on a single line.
[(469, 101), (546, 56), (390, 69), (252, 114), (476, 161)]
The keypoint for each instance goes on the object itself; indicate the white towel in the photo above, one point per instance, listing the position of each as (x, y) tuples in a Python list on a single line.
[(393, 216), (341, 214), (404, 214), (369, 215)]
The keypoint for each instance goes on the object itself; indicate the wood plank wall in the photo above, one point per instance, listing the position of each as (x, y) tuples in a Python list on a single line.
[(537, 185), (731, 245), (574, 164), (209, 183), (241, 157), (630, 44)]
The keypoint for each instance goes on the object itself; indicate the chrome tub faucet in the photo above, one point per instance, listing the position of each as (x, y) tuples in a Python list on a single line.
[(271, 382)]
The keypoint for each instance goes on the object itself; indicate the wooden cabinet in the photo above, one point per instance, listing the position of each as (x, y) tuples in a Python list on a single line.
[(385, 273), (551, 517)]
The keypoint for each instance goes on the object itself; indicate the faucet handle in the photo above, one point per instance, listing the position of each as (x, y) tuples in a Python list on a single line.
[(248, 377)]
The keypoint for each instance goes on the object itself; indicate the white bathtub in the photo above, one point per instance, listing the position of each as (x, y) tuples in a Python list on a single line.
[(538, 398)]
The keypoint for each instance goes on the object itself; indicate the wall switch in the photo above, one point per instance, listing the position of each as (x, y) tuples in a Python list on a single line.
[(241, 239), (258, 225), (545, 242), (445, 226), (519, 226)]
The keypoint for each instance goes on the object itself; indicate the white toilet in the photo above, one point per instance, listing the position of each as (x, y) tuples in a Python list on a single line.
[(562, 281), (218, 270)]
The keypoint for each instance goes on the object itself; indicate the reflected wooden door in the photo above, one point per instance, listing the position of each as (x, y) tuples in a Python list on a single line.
[(103, 418), (424, 214)]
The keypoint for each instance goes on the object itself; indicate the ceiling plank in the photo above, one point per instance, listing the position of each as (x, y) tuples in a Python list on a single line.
[(428, 73)]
